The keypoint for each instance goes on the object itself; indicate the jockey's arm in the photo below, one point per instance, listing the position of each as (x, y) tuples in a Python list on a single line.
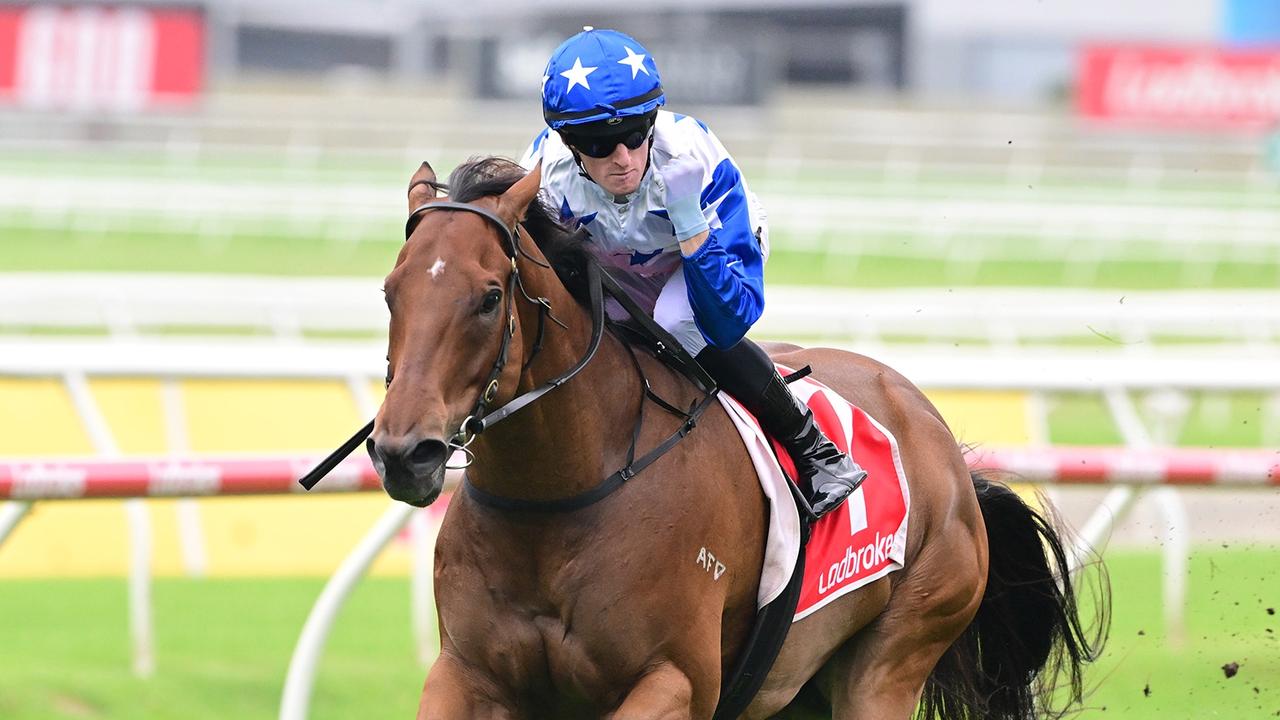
[(691, 245), (723, 265), (725, 278)]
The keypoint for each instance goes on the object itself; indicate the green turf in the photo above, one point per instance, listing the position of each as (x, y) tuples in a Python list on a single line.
[(223, 647), (1143, 675), (272, 164), (130, 251), (1081, 419), (313, 245), (972, 182), (262, 247), (1213, 419)]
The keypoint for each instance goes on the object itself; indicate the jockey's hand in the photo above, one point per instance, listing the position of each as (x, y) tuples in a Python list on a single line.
[(681, 183)]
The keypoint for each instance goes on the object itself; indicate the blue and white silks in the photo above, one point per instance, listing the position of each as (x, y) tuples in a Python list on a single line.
[(718, 293)]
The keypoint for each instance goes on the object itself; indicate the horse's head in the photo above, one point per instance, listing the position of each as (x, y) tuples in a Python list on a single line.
[(451, 313)]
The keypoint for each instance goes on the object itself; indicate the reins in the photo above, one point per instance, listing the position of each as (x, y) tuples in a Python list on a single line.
[(666, 348)]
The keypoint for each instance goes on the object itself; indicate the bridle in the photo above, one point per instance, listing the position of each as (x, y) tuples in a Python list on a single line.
[(480, 419)]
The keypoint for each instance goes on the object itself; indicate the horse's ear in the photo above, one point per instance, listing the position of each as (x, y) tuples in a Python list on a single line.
[(421, 186), (515, 201)]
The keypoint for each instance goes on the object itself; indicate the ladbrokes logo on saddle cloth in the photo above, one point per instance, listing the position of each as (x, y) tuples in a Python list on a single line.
[(859, 542)]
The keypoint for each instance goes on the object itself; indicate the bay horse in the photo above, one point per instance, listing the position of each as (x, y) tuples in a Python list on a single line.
[(602, 610)]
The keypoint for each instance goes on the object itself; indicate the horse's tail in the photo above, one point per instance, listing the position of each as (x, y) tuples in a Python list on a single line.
[(1027, 637)]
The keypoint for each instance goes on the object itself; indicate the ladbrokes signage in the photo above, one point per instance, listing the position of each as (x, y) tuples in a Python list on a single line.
[(1180, 86), (100, 58)]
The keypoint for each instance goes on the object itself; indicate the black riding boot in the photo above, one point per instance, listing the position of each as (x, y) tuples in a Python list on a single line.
[(747, 373)]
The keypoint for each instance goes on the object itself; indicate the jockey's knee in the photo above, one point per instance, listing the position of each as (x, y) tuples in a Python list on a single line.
[(684, 330)]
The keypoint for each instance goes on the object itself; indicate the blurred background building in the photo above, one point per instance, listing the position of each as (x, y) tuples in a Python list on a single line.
[(1160, 77), (1006, 50)]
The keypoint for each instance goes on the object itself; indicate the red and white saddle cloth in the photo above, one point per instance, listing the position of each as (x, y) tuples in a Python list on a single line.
[(862, 540)]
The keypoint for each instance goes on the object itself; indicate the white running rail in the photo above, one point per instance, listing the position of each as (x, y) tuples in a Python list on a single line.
[(130, 304)]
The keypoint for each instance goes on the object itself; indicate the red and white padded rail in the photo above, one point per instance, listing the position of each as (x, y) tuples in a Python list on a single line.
[(176, 477), (66, 479), (1119, 465)]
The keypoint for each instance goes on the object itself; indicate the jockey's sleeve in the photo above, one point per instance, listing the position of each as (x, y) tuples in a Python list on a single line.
[(725, 277)]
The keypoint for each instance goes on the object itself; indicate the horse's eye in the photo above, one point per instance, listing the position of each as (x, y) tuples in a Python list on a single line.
[(490, 302)]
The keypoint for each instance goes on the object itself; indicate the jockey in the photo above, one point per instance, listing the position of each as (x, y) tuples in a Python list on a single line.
[(670, 215)]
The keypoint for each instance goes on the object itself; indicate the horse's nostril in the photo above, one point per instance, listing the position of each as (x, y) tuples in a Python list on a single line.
[(427, 451)]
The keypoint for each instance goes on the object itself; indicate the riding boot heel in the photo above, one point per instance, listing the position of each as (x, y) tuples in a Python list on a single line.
[(746, 372)]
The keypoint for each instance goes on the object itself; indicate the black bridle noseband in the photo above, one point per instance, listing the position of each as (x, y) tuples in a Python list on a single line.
[(598, 282)]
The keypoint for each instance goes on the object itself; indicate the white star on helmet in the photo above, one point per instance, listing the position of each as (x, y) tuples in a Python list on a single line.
[(635, 61), (577, 75)]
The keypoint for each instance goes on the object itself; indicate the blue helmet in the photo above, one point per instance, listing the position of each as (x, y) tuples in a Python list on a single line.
[(599, 75)]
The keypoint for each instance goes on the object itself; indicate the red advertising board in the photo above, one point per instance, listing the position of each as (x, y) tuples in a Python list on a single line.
[(1180, 86), (113, 58)]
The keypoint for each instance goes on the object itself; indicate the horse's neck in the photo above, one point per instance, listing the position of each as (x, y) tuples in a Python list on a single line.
[(562, 443)]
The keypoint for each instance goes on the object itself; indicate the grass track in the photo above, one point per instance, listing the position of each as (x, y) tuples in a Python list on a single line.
[(224, 645), (266, 166), (275, 250)]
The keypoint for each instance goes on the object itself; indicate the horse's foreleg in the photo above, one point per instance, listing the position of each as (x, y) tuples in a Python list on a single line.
[(665, 693), (450, 694)]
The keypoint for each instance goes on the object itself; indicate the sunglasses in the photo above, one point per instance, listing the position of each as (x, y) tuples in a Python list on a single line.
[(603, 147)]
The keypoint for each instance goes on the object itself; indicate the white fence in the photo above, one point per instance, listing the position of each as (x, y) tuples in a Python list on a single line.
[(907, 224), (821, 129), (128, 305)]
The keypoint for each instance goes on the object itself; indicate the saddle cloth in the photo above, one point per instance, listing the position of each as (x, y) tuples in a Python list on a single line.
[(862, 540)]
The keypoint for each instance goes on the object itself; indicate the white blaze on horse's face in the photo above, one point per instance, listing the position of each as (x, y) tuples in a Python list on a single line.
[(444, 336)]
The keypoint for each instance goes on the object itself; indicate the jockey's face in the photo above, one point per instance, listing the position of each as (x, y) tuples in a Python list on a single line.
[(619, 172)]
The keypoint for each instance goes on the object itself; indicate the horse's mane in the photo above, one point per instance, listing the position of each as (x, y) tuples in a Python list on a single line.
[(490, 176)]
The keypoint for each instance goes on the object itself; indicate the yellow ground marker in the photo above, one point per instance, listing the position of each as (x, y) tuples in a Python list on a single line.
[(268, 415), (985, 417), (270, 536), (38, 419), (243, 536), (134, 413), (274, 536), (279, 535), (265, 536)]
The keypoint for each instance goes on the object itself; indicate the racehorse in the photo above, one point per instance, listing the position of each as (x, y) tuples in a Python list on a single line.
[(599, 609)]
